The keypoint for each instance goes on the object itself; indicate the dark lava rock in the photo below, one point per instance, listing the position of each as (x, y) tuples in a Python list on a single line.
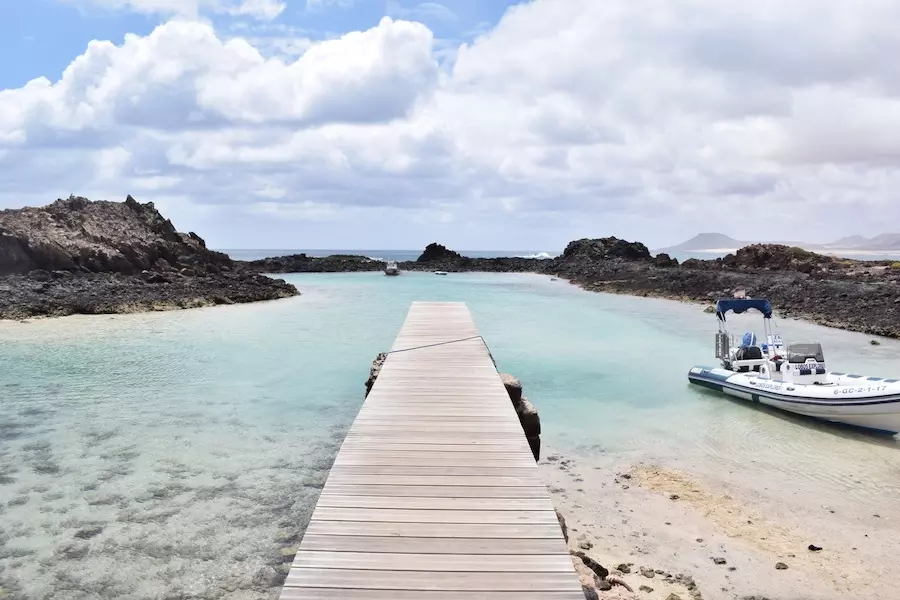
[(624, 568), (719, 560), (436, 252), (598, 569), (665, 261), (375, 370), (562, 525), (646, 589), (528, 417), (534, 442), (777, 257), (301, 263), (268, 577), (814, 548), (605, 248), (86, 534), (513, 386), (780, 566), (81, 257), (72, 550), (590, 593)]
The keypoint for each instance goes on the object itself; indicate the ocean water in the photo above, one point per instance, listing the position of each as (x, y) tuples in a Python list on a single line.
[(395, 255), (179, 454)]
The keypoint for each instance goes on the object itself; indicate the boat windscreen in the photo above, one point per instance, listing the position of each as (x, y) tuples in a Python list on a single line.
[(798, 353)]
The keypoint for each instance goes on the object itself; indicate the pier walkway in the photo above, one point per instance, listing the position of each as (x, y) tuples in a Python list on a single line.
[(434, 494)]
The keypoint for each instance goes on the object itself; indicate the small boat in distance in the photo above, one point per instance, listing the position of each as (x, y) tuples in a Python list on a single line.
[(440, 272), (793, 377), (391, 268)]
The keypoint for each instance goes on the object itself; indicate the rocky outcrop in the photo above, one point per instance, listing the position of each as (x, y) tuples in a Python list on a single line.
[(100, 237), (374, 371), (437, 253), (527, 413), (605, 249), (77, 256), (301, 263)]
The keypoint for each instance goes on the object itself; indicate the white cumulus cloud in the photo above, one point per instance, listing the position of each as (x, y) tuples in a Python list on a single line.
[(567, 118), (259, 9)]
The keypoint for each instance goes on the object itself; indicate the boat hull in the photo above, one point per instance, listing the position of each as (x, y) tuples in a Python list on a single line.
[(868, 402)]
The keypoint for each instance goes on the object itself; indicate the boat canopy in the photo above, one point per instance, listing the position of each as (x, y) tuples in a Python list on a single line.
[(739, 305)]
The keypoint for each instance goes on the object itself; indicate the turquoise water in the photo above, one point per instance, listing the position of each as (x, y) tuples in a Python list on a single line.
[(175, 455)]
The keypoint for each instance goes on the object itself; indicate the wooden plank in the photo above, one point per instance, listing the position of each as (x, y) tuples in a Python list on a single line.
[(432, 545), (426, 491), (432, 530), (338, 593), (556, 562), (446, 515), (436, 470), (433, 580), (436, 480), (434, 494), (431, 503)]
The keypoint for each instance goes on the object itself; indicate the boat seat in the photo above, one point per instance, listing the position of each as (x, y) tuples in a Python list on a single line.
[(749, 353)]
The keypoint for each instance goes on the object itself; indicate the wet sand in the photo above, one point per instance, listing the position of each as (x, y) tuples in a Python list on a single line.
[(722, 534)]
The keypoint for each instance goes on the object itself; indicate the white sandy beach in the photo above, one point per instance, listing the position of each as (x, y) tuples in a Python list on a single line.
[(677, 523)]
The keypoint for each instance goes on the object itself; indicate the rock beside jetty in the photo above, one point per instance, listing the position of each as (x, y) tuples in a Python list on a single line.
[(528, 415), (375, 370), (76, 256)]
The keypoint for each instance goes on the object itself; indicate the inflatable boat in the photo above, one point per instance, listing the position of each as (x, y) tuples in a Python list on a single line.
[(793, 377)]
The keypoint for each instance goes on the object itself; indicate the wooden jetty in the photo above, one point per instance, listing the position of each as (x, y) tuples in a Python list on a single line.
[(434, 494)]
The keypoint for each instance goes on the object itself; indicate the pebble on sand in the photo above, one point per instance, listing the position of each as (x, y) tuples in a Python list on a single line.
[(780, 566)]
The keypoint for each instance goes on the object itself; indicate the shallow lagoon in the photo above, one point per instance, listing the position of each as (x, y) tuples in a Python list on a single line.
[(178, 455)]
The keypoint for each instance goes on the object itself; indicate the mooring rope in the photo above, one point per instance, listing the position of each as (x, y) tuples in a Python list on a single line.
[(474, 337)]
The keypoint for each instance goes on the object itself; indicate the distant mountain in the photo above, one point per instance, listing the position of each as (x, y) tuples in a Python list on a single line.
[(851, 241), (704, 242)]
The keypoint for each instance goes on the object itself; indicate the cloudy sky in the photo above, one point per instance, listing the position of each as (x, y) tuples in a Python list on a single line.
[(483, 124)]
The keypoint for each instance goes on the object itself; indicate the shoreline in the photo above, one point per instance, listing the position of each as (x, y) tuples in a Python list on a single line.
[(190, 301)]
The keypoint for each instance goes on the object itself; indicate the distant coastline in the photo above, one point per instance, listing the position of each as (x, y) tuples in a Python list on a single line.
[(81, 257), (881, 247)]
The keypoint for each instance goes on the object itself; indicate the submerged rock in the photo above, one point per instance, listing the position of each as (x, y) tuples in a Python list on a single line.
[(86, 534), (268, 577)]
